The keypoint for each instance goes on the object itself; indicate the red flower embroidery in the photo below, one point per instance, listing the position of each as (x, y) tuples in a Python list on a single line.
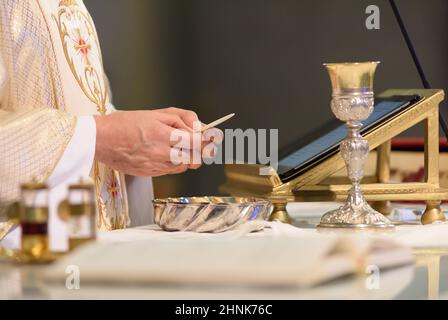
[(82, 45), (113, 189)]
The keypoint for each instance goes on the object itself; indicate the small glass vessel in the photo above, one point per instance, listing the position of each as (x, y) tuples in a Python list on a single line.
[(79, 212), (33, 219)]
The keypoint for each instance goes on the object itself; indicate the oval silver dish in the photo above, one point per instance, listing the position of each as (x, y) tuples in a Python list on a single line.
[(208, 214)]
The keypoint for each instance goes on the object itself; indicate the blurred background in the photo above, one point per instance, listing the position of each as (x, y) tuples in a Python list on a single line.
[(261, 59)]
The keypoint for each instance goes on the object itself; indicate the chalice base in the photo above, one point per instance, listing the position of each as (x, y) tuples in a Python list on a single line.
[(354, 216)]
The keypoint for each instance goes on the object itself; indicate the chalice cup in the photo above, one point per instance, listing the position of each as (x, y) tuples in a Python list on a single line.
[(352, 102)]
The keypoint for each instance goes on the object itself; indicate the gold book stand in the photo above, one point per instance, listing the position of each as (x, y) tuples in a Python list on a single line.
[(317, 183)]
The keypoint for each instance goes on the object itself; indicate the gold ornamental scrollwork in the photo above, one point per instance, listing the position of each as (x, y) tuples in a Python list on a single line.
[(80, 44)]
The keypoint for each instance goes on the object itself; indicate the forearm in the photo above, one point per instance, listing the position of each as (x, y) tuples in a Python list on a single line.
[(103, 137)]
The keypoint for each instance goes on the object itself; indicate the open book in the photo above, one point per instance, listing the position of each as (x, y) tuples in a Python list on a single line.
[(302, 259)]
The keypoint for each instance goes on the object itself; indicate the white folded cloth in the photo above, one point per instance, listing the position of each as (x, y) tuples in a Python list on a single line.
[(415, 236)]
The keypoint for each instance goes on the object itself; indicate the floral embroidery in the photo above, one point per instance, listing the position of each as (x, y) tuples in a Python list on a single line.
[(111, 192), (81, 47)]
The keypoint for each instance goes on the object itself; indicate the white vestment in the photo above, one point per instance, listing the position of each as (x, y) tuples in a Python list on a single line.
[(52, 83)]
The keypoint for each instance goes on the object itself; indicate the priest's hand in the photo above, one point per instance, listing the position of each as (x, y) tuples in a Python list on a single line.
[(140, 143)]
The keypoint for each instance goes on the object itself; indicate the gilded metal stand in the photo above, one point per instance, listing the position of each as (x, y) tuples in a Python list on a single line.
[(317, 184)]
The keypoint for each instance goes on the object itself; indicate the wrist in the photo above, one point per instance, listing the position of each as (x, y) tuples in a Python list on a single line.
[(101, 136)]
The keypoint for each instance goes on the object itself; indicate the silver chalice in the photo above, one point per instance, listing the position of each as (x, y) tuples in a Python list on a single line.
[(352, 102)]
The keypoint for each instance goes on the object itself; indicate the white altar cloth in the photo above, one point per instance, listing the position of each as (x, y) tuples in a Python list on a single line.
[(307, 215)]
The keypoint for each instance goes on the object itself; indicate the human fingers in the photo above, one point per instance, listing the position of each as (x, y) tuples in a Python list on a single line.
[(192, 158), (173, 120), (182, 139), (189, 117), (213, 135)]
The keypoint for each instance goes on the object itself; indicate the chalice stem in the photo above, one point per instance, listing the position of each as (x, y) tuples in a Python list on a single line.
[(355, 197), (354, 151)]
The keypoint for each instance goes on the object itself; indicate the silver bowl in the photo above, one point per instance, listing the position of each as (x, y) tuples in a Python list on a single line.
[(208, 214)]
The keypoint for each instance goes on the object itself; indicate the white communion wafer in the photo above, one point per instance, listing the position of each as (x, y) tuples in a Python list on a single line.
[(217, 122)]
